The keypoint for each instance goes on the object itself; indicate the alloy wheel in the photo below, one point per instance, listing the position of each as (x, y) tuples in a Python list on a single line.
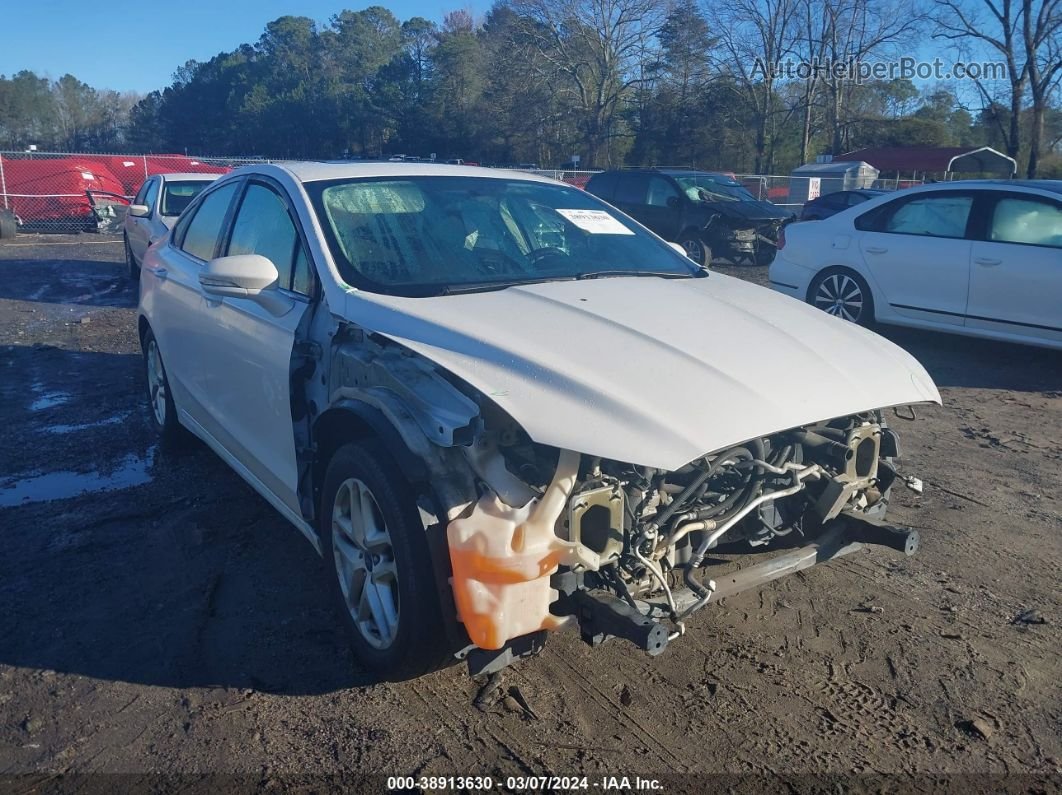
[(841, 296), (365, 563), (156, 377), (694, 250)]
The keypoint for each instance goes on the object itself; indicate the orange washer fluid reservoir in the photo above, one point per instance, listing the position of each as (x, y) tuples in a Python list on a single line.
[(502, 559)]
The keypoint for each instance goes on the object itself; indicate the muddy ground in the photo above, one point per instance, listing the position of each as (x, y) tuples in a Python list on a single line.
[(158, 616)]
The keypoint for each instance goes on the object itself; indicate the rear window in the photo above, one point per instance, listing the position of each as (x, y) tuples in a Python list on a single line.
[(178, 195)]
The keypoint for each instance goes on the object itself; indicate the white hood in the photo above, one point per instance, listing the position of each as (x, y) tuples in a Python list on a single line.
[(651, 371)]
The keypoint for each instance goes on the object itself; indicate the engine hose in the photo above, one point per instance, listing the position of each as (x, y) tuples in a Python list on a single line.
[(739, 495), (781, 455), (683, 497), (693, 583)]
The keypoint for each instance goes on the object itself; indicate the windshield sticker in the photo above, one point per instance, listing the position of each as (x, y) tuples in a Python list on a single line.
[(596, 222)]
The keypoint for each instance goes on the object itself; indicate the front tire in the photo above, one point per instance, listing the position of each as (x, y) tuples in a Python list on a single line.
[(843, 293), (696, 249), (378, 565)]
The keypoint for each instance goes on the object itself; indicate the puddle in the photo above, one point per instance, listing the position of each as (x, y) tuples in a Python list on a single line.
[(130, 471), (46, 400), (49, 400), (85, 426)]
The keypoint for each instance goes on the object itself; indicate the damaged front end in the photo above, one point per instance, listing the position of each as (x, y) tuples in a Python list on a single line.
[(528, 538), (623, 550)]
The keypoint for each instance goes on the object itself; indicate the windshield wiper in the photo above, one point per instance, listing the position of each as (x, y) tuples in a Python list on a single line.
[(482, 287), (612, 273)]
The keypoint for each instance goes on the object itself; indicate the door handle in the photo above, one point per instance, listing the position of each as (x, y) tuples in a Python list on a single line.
[(988, 262), (159, 273), (876, 250)]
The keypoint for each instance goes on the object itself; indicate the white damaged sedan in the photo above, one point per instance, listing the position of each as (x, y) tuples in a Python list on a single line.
[(496, 406)]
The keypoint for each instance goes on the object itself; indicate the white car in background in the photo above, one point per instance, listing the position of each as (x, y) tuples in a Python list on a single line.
[(982, 258), (495, 405), (154, 211)]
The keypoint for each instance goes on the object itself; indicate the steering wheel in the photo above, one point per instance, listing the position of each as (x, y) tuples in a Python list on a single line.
[(540, 254)]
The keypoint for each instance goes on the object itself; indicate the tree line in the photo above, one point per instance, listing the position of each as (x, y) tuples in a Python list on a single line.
[(616, 82)]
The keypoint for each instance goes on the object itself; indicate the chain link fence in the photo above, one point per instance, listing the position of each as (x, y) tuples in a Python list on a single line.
[(74, 192), (793, 193)]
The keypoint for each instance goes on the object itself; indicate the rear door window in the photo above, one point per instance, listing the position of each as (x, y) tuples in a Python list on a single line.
[(202, 233), (1028, 220)]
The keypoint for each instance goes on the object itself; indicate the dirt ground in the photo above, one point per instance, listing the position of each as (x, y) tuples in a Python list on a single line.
[(159, 617)]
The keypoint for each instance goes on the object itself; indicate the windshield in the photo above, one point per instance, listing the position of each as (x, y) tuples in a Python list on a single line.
[(178, 195), (434, 235), (705, 187)]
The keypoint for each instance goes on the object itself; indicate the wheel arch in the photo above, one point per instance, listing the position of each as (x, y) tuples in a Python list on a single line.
[(692, 230), (142, 327), (353, 420)]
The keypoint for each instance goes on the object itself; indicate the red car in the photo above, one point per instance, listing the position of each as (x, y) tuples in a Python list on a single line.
[(54, 193)]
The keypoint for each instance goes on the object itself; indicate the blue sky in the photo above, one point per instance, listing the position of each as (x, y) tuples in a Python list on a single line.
[(135, 45)]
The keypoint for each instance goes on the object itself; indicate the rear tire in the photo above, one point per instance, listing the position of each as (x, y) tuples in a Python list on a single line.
[(160, 398), (130, 261), (378, 565), (843, 293)]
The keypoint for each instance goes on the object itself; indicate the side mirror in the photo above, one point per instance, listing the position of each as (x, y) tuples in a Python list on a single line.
[(249, 276), (674, 202), (139, 210)]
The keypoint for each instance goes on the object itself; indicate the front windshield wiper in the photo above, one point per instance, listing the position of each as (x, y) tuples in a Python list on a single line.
[(482, 287), (701, 272)]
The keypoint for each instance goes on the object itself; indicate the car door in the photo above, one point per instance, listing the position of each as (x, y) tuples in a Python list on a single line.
[(917, 252), (173, 300), (663, 208), (245, 381), (1016, 271), (139, 229)]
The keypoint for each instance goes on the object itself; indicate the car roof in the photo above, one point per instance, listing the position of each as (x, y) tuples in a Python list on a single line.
[(190, 176), (668, 171), (1050, 185), (1053, 185), (311, 171), (861, 191), (671, 171)]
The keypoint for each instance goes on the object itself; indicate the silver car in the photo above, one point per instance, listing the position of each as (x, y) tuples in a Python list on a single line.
[(154, 211)]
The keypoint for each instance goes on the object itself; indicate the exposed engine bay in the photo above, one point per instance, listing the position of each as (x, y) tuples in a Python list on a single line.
[(642, 536)]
